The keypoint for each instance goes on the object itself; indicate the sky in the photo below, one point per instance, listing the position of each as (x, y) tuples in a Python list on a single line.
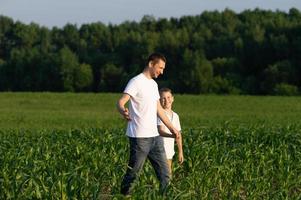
[(58, 13)]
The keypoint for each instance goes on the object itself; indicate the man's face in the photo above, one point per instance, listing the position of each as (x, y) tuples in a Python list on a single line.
[(166, 100), (157, 68)]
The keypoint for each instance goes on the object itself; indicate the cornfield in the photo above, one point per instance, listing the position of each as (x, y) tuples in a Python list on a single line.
[(221, 162)]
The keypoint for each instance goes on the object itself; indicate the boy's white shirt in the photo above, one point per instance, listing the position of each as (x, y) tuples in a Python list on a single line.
[(142, 107), (169, 142)]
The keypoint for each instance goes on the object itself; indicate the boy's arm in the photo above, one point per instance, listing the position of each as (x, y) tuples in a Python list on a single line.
[(161, 114), (121, 106), (163, 133), (180, 148)]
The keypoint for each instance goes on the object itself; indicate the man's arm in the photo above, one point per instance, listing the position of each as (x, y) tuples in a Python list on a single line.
[(121, 106), (163, 133), (161, 114)]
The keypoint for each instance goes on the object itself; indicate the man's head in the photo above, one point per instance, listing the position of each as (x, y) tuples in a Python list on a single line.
[(166, 98), (156, 64)]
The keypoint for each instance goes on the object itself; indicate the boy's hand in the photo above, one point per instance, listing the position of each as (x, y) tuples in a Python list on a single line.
[(181, 157)]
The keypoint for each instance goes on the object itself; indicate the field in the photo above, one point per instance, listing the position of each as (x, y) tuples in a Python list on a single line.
[(69, 110), (73, 146)]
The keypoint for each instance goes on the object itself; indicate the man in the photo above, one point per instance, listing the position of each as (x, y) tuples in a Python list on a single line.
[(144, 107)]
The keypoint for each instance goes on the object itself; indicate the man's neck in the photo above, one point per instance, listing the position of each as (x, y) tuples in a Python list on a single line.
[(147, 73)]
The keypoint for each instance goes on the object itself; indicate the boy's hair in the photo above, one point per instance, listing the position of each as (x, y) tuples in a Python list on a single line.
[(165, 89), (155, 57)]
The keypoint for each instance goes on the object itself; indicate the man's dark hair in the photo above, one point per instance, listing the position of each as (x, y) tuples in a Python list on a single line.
[(155, 57)]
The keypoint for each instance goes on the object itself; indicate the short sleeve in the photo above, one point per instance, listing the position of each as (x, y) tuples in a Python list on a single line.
[(131, 88), (178, 123), (157, 93)]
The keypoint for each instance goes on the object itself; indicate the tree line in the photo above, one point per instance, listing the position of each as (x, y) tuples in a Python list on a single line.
[(256, 52)]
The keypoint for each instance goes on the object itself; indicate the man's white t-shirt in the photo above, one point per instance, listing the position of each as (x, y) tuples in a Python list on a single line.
[(142, 107), (169, 142)]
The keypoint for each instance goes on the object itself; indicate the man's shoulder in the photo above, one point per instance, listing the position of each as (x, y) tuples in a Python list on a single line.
[(138, 77), (141, 78), (135, 79)]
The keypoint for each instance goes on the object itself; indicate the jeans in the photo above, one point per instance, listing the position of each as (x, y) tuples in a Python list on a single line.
[(140, 149)]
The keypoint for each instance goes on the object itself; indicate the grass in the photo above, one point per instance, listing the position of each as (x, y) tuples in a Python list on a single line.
[(71, 110), (57, 110), (215, 110)]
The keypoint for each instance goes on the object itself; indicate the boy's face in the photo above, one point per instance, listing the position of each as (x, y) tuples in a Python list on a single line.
[(166, 100)]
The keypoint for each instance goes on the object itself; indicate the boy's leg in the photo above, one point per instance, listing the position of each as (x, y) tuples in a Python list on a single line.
[(139, 148), (158, 160), (169, 161)]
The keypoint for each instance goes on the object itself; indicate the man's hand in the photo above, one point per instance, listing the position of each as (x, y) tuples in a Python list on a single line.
[(175, 133), (121, 106), (126, 114)]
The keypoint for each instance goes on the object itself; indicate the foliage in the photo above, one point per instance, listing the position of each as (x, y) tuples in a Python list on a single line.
[(250, 52), (285, 89), (227, 162)]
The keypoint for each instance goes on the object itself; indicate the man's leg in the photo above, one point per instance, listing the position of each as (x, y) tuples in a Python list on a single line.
[(139, 148), (158, 160)]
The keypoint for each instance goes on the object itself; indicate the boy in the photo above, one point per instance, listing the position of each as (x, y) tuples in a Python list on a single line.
[(166, 100)]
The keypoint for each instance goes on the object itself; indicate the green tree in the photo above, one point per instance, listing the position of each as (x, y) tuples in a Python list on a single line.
[(285, 89), (6, 39), (3, 78), (25, 35), (223, 86), (278, 73), (112, 79), (195, 73), (251, 52), (71, 36), (67, 63), (83, 78)]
